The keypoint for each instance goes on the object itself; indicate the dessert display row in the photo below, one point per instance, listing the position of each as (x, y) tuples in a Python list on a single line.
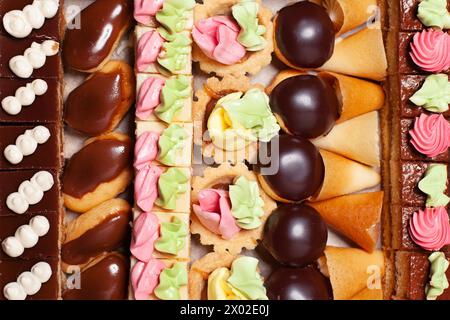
[(337, 141)]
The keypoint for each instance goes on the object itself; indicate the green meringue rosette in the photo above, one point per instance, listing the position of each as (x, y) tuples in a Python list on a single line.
[(171, 140), (173, 236), (173, 96), (171, 183), (434, 95), (251, 35), (246, 203), (246, 280), (438, 279), (174, 14), (176, 51), (171, 280), (434, 13), (434, 184), (252, 112)]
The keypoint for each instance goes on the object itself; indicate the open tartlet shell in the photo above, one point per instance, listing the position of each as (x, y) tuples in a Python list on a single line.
[(215, 89), (253, 62), (226, 174)]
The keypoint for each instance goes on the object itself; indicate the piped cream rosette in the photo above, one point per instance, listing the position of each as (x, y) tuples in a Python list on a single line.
[(230, 117)]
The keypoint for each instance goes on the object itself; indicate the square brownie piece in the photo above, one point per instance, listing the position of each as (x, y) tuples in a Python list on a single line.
[(47, 245), (46, 156), (10, 182), (408, 151), (10, 269), (408, 16), (45, 108), (53, 28), (10, 48)]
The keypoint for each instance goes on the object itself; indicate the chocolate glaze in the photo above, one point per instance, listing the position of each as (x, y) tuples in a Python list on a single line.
[(45, 108), (46, 246), (298, 284), (11, 47), (300, 166), (295, 235), (109, 235), (106, 280), (92, 106), (102, 23), (11, 269), (9, 183), (52, 28), (98, 162), (305, 34), (306, 104), (46, 156)]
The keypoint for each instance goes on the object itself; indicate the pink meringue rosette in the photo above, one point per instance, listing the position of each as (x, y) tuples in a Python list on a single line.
[(145, 233), (431, 134), (217, 38), (148, 49), (145, 278), (149, 97), (144, 10), (430, 229), (214, 213), (146, 187), (430, 50), (146, 149)]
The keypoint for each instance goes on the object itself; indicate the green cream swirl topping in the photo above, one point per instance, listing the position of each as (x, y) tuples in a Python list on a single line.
[(434, 184), (171, 280), (174, 14), (173, 97), (246, 280), (173, 236), (171, 140), (171, 184), (434, 95), (434, 13), (438, 279), (176, 51), (252, 33), (246, 203)]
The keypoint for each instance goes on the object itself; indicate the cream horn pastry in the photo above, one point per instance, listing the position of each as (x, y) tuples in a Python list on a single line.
[(361, 54), (310, 173), (98, 172), (231, 117), (96, 232), (229, 208), (166, 99), (89, 47), (223, 276), (99, 104), (232, 37)]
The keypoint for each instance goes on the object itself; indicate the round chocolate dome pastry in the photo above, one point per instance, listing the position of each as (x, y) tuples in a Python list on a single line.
[(298, 284), (304, 35), (295, 171), (295, 235), (305, 105)]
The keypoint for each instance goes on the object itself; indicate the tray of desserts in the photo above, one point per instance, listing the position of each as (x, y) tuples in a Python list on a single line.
[(224, 150)]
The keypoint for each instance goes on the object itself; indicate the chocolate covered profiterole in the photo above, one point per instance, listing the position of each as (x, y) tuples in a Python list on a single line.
[(102, 229), (101, 101), (103, 23), (98, 172), (105, 278), (298, 284)]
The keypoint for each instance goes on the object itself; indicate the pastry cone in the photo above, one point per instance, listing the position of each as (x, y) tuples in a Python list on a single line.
[(357, 96), (202, 268), (356, 216), (344, 176), (354, 273), (89, 229), (349, 14), (253, 62), (369, 294), (357, 139), (360, 55)]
